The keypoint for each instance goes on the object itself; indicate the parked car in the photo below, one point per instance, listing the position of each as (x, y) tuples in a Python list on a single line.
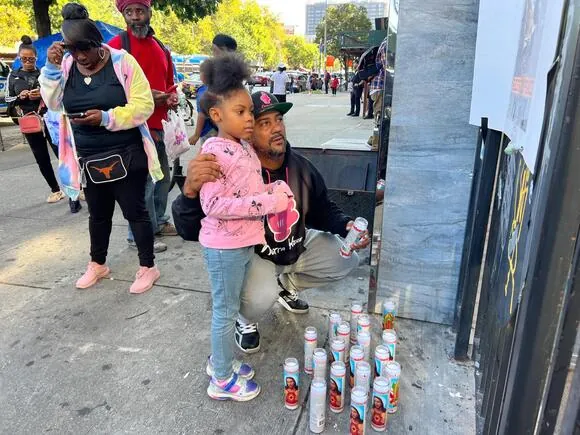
[(191, 84), (298, 82), (259, 79), (4, 71)]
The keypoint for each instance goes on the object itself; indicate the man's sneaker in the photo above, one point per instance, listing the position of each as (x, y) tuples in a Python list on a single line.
[(144, 279), (235, 388), (75, 206), (167, 229), (55, 197), (157, 246), (247, 337), (94, 273), (291, 302), (241, 369)]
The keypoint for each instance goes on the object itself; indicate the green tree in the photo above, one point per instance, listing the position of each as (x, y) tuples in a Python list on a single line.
[(186, 10), (339, 19), (14, 22), (258, 32), (299, 52)]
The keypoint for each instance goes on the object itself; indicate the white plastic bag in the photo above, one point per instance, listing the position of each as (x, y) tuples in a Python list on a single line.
[(176, 140)]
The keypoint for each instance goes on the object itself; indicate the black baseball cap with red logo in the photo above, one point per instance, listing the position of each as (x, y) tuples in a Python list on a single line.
[(267, 102)]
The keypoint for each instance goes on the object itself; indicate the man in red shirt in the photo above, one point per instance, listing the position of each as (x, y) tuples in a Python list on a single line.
[(156, 63)]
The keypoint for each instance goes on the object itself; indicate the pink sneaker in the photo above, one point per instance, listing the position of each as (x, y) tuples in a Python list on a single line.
[(94, 273), (144, 280)]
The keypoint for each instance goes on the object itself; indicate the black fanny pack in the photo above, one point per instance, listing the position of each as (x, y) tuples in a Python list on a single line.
[(113, 165), (106, 169)]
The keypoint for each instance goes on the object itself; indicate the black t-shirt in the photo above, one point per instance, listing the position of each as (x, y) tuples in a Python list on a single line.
[(19, 81), (104, 92)]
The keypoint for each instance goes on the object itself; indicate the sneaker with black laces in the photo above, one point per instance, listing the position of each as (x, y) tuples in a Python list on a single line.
[(247, 337), (291, 302)]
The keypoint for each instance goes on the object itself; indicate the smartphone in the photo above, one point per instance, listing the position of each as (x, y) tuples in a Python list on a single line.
[(76, 115)]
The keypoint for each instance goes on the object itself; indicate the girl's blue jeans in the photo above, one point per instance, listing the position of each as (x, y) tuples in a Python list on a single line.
[(227, 269)]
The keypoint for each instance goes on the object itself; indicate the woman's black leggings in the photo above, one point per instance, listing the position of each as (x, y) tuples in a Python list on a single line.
[(39, 146), (129, 193)]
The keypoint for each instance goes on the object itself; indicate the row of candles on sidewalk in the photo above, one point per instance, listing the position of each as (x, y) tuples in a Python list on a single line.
[(350, 351)]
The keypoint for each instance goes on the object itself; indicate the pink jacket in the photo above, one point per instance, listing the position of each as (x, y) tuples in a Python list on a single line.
[(235, 204)]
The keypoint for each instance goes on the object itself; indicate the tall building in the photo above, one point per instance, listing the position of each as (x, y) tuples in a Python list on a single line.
[(315, 10)]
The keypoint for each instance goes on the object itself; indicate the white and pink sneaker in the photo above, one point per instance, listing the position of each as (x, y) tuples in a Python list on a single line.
[(235, 388)]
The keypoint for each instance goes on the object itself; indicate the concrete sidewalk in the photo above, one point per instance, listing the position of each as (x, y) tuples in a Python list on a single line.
[(105, 361)]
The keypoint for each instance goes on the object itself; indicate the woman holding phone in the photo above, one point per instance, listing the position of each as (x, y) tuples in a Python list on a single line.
[(104, 142), (23, 92)]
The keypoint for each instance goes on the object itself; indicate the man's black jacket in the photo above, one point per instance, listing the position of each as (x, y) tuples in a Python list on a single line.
[(313, 210)]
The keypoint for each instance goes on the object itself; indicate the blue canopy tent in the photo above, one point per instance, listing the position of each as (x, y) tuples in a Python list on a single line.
[(42, 44)]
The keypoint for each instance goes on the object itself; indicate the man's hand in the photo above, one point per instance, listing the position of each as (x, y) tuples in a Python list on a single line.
[(93, 117), (160, 98), (364, 240), (173, 101), (203, 169), (24, 94)]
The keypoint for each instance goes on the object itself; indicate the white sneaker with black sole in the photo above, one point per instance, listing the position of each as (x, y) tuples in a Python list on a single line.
[(247, 337)]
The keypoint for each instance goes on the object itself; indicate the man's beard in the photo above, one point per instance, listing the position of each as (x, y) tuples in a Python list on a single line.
[(273, 153), (140, 31)]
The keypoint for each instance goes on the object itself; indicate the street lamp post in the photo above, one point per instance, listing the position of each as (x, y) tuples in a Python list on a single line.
[(325, 19)]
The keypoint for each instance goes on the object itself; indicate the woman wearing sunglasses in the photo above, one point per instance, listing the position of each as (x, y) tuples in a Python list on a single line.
[(24, 93), (104, 142)]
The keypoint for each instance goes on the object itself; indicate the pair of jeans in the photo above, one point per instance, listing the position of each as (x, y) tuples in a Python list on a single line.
[(227, 270), (129, 193), (156, 194)]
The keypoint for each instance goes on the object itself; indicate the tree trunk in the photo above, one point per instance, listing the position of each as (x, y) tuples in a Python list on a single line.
[(345, 62), (41, 17)]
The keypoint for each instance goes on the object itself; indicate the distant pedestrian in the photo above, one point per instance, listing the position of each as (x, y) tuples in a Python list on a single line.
[(279, 80), (104, 138), (334, 84), (309, 84), (350, 90), (23, 92), (326, 81), (356, 94)]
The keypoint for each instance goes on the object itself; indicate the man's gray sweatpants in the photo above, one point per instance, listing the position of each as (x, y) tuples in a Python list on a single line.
[(319, 265)]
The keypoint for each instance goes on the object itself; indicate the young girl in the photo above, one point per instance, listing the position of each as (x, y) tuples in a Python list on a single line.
[(334, 84), (234, 206)]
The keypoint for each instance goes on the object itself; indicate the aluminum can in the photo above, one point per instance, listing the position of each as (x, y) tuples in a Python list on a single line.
[(291, 383), (337, 394), (310, 343)]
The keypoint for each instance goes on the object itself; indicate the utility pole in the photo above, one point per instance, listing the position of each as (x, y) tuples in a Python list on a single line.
[(325, 19)]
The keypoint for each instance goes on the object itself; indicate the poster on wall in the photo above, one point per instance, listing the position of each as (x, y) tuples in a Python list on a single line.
[(538, 40), (516, 45)]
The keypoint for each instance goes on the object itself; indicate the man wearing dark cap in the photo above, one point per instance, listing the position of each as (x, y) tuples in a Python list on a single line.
[(155, 60), (301, 251), (223, 44)]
